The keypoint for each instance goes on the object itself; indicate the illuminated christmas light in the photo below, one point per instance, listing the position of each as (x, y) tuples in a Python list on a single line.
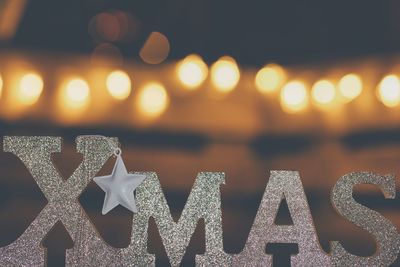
[(225, 74), (270, 78), (350, 86), (30, 88), (294, 97), (192, 71), (323, 92), (389, 91), (152, 99), (119, 84), (76, 93)]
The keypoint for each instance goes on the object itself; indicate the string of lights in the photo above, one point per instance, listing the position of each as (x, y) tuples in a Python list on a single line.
[(152, 98)]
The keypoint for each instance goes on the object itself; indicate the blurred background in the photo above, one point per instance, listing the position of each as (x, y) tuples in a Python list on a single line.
[(242, 87)]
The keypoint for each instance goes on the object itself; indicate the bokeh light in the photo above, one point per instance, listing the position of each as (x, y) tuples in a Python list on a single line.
[(225, 74), (270, 78), (389, 91), (30, 88), (156, 49), (1, 86), (294, 97), (192, 71), (113, 26), (104, 27), (350, 86), (118, 84), (106, 54), (76, 93), (323, 92), (152, 99), (129, 26)]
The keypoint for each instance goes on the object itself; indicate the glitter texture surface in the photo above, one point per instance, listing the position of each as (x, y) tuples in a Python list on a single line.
[(383, 231), (89, 248), (283, 184), (204, 202)]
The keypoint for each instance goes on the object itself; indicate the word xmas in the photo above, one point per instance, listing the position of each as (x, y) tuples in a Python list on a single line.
[(204, 202)]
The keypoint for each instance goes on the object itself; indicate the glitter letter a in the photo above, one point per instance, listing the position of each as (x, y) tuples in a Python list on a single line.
[(283, 184)]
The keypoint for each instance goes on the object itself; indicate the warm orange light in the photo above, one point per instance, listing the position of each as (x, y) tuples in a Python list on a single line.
[(152, 100), (76, 93), (119, 84), (192, 71), (323, 92), (350, 86), (1, 86), (389, 91), (156, 48), (270, 78), (10, 19), (30, 88), (294, 97), (225, 74)]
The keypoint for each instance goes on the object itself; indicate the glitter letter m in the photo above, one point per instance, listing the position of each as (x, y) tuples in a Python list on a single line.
[(204, 202)]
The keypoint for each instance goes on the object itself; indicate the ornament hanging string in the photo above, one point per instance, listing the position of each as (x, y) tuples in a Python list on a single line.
[(116, 150)]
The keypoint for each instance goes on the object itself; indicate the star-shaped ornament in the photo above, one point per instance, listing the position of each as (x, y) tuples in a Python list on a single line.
[(119, 187)]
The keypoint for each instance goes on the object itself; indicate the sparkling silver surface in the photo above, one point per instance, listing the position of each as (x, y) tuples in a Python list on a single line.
[(89, 249), (383, 231), (283, 184), (204, 202)]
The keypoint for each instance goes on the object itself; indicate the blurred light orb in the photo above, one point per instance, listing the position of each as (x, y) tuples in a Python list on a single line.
[(156, 48), (30, 88), (1, 85), (106, 54), (225, 74), (129, 26), (114, 25), (192, 71), (389, 91), (270, 78), (350, 86), (153, 99), (294, 97), (323, 92), (76, 93), (106, 25), (118, 84)]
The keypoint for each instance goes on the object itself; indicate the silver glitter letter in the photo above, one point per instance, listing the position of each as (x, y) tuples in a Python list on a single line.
[(89, 249), (283, 184), (204, 202), (384, 232)]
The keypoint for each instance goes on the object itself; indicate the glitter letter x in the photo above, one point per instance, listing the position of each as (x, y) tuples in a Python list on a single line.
[(35, 153)]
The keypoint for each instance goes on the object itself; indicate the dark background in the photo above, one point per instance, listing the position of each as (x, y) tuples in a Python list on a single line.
[(253, 32), (292, 33)]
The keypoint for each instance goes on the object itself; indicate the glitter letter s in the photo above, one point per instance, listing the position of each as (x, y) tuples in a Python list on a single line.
[(382, 229)]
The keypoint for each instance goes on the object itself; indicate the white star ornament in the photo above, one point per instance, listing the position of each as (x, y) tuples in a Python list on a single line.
[(119, 187)]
